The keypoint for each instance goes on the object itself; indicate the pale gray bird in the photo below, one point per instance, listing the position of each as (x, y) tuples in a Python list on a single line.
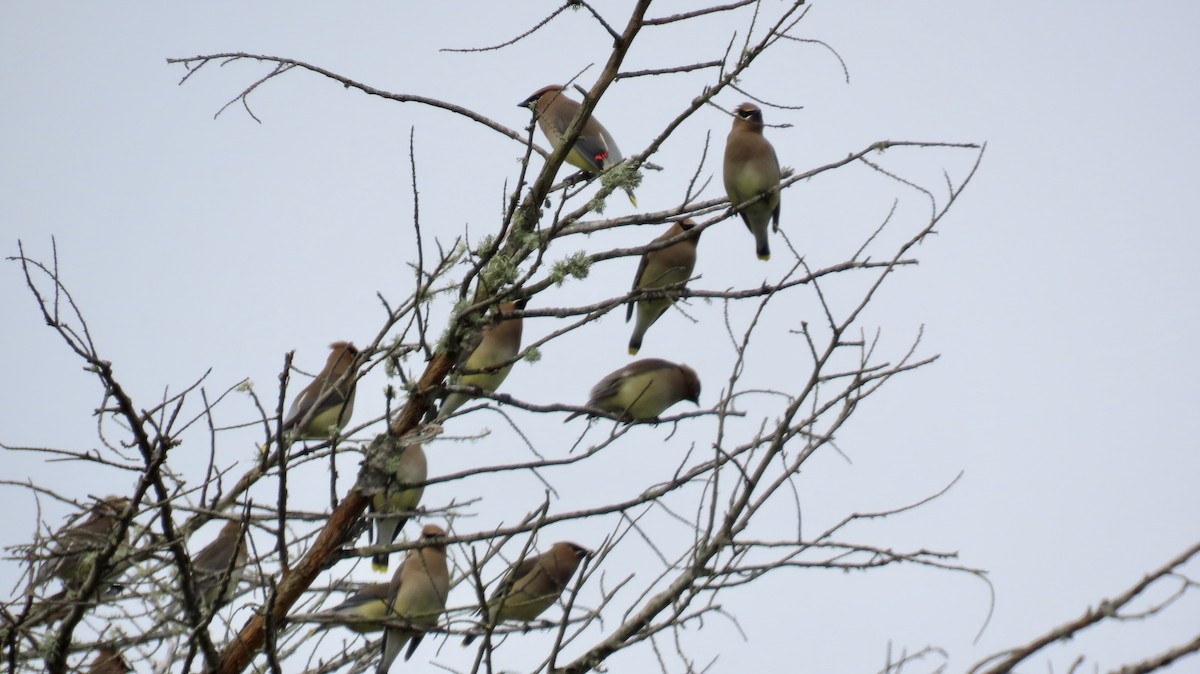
[(219, 566), (362, 611), (73, 550), (594, 151), (498, 342), (531, 587), (109, 661), (663, 268), (751, 169), (333, 413), (644, 389), (396, 505), (417, 595)]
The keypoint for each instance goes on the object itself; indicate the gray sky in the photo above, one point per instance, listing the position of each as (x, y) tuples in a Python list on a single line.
[(1056, 290)]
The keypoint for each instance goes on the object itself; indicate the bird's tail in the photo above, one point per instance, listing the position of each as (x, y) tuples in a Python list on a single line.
[(647, 314), (450, 404), (763, 246)]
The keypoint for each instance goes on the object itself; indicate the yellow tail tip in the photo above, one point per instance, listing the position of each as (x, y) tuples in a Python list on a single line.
[(633, 350), (632, 199), (379, 568), (764, 258)]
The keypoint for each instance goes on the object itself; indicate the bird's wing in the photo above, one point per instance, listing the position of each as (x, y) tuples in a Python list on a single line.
[(637, 279), (305, 400)]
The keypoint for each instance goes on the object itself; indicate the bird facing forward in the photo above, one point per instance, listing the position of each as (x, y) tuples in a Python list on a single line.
[(751, 170), (417, 595)]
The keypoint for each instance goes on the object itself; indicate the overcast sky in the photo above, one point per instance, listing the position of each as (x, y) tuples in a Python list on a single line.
[(1060, 291)]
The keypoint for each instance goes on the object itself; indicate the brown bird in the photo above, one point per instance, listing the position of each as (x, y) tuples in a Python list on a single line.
[(594, 151), (417, 595), (663, 268), (531, 587), (644, 389), (109, 661), (73, 550), (362, 611), (220, 565), (333, 412), (394, 507), (498, 342), (751, 169)]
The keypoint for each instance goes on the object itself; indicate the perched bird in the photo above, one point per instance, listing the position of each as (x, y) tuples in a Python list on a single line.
[(644, 389), (109, 661), (530, 587), (663, 268), (333, 413), (751, 169), (394, 506), (73, 550), (594, 151), (498, 342), (417, 595), (220, 565), (361, 611)]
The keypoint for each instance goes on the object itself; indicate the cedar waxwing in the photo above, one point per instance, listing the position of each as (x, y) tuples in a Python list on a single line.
[(751, 169), (334, 411), (73, 550), (644, 389), (368, 604), (109, 661), (417, 594), (394, 507), (594, 150), (532, 586), (225, 555), (663, 268), (498, 342)]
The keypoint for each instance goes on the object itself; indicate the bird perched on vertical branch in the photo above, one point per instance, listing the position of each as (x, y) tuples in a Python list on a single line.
[(480, 363), (531, 587), (644, 389), (361, 611), (594, 151), (220, 565), (751, 170), (325, 402), (395, 505), (109, 661), (416, 595), (73, 550), (663, 268), (218, 568)]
